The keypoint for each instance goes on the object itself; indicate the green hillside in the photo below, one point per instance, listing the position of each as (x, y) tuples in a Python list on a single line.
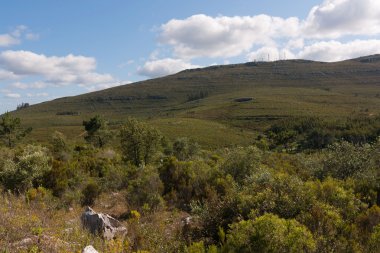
[(300, 174), (244, 97)]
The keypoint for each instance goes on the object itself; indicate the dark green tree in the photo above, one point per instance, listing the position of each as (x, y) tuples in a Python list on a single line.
[(11, 130), (139, 142), (97, 130)]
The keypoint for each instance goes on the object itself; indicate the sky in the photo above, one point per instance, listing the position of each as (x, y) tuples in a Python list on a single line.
[(54, 48)]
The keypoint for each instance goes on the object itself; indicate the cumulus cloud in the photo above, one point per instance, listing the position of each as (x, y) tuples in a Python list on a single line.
[(55, 70), (295, 43), (224, 37), (205, 36), (327, 51), (337, 51), (167, 66), (337, 18)]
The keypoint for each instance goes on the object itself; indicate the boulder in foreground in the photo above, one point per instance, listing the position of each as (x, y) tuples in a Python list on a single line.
[(102, 224)]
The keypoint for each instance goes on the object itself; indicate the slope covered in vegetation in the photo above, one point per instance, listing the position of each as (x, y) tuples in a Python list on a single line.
[(255, 157), (235, 100), (175, 196)]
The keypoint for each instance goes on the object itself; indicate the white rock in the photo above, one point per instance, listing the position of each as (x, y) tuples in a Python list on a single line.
[(89, 249)]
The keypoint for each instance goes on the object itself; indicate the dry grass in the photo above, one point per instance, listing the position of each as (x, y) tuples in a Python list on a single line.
[(37, 226)]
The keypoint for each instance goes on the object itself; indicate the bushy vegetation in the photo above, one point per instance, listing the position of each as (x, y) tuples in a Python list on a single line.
[(177, 197), (316, 133)]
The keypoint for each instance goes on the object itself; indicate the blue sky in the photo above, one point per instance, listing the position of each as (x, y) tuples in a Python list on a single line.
[(51, 48)]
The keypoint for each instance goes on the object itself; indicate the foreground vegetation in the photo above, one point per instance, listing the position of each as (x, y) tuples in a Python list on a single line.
[(277, 195)]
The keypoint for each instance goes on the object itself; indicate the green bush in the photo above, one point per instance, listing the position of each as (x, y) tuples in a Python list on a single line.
[(269, 233), (185, 181), (26, 169), (242, 162), (89, 193), (345, 160), (184, 149), (144, 191), (374, 241)]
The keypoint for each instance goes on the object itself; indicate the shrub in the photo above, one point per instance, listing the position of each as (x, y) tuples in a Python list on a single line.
[(89, 193), (185, 181), (374, 242), (269, 233), (345, 160), (145, 189), (26, 169), (184, 149), (242, 162)]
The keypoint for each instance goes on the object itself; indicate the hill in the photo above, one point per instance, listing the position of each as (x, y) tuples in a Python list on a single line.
[(233, 101)]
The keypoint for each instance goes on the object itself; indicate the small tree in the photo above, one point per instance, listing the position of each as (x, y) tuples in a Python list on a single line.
[(97, 130), (11, 130), (139, 142)]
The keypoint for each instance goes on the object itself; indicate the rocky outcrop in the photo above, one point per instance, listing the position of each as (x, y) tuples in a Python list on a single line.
[(102, 224)]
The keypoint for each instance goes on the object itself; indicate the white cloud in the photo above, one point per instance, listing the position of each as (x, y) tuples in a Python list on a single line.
[(295, 43), (205, 36), (7, 40), (337, 51), (32, 85), (7, 75), (15, 36), (163, 67), (13, 95), (55, 70), (337, 18), (20, 85), (201, 36), (327, 51), (29, 63)]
